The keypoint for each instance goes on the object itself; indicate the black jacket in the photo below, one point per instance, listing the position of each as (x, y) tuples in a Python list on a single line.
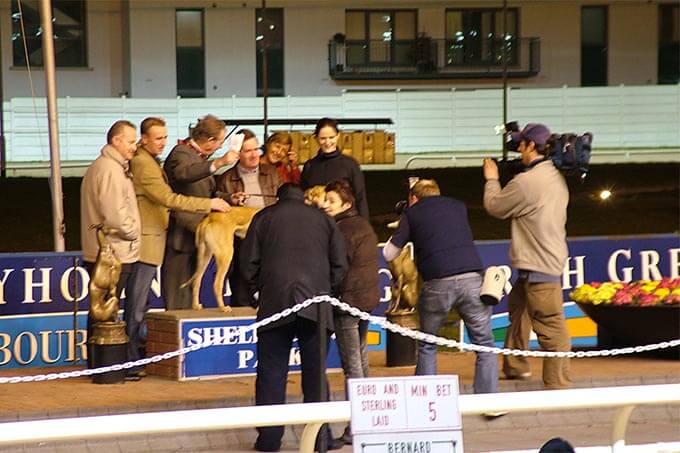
[(360, 287), (292, 252), (328, 167), (439, 229)]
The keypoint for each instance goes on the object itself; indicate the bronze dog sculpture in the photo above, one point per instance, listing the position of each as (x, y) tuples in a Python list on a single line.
[(405, 283), (105, 276), (215, 237)]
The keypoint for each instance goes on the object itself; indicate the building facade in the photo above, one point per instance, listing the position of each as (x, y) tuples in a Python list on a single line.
[(214, 49)]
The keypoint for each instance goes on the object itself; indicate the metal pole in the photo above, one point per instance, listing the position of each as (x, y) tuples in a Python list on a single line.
[(265, 67), (322, 438), (3, 154), (74, 274), (55, 162), (505, 76)]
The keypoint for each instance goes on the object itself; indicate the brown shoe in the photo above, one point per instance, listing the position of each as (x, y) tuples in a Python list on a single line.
[(522, 376)]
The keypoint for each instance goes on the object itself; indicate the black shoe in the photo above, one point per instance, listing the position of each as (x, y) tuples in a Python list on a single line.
[(346, 439), (494, 415), (134, 377), (335, 444), (262, 447)]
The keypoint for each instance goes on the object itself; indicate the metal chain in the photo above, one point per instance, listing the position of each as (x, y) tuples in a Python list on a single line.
[(383, 322)]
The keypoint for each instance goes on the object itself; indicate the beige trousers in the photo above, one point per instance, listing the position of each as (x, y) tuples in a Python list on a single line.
[(538, 305)]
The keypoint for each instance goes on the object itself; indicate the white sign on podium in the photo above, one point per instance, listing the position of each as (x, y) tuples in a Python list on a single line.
[(417, 414)]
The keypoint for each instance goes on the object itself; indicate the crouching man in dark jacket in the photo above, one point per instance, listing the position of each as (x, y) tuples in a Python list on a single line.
[(450, 265), (292, 252)]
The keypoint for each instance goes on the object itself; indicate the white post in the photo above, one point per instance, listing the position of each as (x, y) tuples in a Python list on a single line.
[(55, 162), (619, 424)]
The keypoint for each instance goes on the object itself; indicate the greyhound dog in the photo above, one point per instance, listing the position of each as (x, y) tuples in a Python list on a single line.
[(105, 276), (315, 196), (215, 237)]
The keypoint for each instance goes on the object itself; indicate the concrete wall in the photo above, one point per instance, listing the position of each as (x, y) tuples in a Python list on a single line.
[(229, 39), (102, 77), (633, 43), (230, 52), (152, 52), (136, 53), (307, 32), (560, 35)]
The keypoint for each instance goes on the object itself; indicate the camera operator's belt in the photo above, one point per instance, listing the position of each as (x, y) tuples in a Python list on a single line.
[(537, 277)]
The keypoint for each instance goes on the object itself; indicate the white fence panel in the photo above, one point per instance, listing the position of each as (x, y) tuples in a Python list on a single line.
[(455, 120)]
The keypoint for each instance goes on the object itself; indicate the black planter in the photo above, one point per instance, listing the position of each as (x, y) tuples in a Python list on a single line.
[(624, 326)]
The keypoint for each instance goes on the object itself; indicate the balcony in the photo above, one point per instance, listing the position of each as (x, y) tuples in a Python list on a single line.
[(428, 58)]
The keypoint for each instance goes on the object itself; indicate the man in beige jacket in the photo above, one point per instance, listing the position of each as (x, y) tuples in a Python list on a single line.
[(107, 197), (155, 198), (536, 202)]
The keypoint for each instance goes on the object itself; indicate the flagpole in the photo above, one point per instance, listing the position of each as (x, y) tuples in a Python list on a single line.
[(58, 226)]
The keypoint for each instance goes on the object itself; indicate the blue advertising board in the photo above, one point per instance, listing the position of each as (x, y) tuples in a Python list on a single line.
[(234, 351), (40, 291)]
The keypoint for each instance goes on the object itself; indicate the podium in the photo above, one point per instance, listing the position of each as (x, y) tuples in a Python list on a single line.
[(233, 352)]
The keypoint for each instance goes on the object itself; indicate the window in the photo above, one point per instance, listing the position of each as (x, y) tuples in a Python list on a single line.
[(380, 37), (190, 53), (475, 37), (669, 44), (68, 26), (594, 46), (269, 36)]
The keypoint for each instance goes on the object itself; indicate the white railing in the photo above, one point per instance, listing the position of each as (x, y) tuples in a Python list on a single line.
[(313, 415), (425, 121)]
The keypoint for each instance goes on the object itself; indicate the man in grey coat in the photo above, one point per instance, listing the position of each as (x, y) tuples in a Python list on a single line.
[(536, 202)]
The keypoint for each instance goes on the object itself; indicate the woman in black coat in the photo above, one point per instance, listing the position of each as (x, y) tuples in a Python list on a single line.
[(359, 287), (331, 165)]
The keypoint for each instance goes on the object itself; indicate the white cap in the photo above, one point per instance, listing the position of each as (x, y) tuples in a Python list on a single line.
[(492, 287)]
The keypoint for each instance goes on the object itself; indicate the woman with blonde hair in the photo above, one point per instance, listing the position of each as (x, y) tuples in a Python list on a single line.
[(280, 154)]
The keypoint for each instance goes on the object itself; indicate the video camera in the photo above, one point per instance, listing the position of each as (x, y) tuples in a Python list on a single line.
[(401, 205), (570, 153)]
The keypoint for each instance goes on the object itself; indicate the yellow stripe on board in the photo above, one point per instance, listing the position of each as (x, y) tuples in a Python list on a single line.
[(581, 327), (373, 338)]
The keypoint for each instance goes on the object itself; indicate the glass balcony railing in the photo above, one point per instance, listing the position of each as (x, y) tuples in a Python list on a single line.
[(425, 58)]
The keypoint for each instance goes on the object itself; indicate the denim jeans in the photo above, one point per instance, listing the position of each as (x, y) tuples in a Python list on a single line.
[(460, 293), (136, 305), (350, 334)]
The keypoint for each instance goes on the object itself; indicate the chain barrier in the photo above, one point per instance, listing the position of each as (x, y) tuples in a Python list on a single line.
[(383, 322)]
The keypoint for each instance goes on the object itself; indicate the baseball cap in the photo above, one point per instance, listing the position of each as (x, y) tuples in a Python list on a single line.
[(533, 132)]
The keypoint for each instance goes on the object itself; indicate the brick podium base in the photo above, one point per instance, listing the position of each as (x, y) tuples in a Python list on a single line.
[(163, 335)]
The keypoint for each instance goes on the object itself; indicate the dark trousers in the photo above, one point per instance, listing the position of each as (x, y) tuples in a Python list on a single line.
[(136, 306), (125, 271), (239, 288), (273, 352), (178, 267)]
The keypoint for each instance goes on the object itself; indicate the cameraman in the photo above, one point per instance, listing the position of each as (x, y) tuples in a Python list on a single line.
[(536, 201)]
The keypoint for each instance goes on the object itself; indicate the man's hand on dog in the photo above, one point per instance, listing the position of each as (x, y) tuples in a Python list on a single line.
[(239, 198), (219, 205)]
